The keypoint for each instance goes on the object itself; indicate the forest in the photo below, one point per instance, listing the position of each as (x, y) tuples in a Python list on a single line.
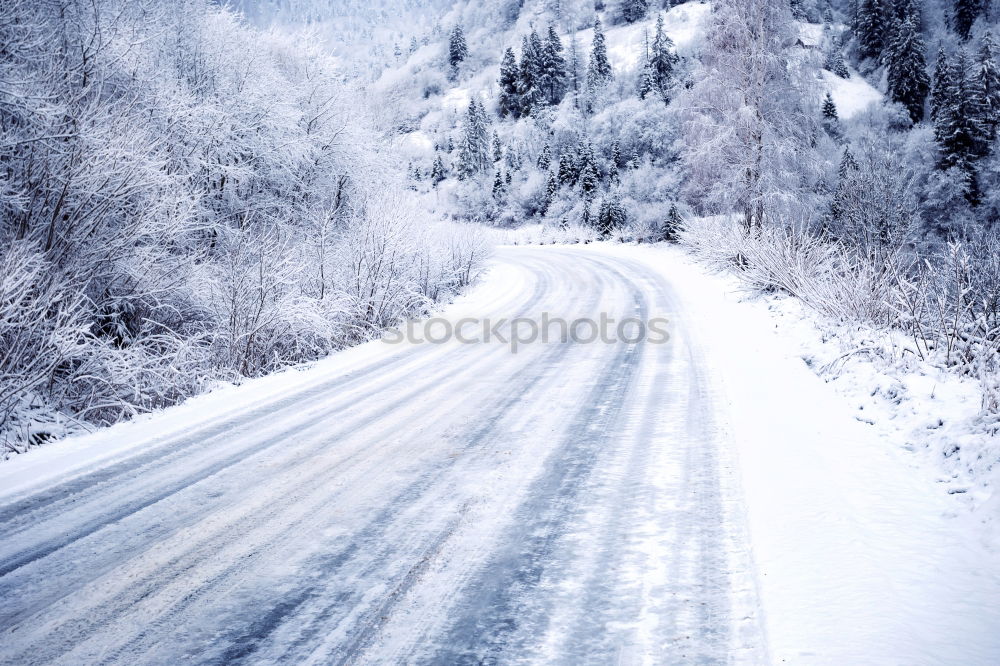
[(195, 192), (186, 200)]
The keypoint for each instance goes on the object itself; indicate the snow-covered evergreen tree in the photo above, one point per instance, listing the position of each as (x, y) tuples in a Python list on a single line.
[(633, 10), (907, 70), (941, 84), (509, 99), (544, 158), (599, 70), (438, 171), (959, 129), (988, 84), (458, 50), (672, 225), (836, 64), (553, 69), (529, 83), (872, 24), (965, 14), (658, 73), (474, 155)]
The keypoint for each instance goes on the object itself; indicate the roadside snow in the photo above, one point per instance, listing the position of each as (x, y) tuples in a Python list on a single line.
[(862, 556)]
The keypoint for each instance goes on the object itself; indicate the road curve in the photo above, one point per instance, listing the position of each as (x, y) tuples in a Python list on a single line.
[(433, 503)]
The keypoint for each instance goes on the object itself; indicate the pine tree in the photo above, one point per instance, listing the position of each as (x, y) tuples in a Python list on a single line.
[(662, 61), (872, 20), (634, 10), (509, 101), (551, 188), (530, 73), (645, 85), (831, 121), (829, 108), (544, 159), (611, 215), (458, 50), (438, 172), (672, 226), (988, 85), (845, 174), (907, 70), (553, 70), (497, 148), (589, 179), (847, 164), (966, 13), (836, 64), (599, 70), (604, 217), (941, 84), (567, 169), (474, 155), (498, 187), (959, 129)]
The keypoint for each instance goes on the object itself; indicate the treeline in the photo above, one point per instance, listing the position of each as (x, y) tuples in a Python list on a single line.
[(890, 217), (186, 200), (553, 92)]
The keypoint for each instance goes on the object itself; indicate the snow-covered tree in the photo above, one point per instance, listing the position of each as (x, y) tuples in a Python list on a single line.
[(633, 10), (544, 158), (907, 70), (529, 83), (959, 128), (474, 155), (657, 74), (747, 128), (509, 100), (872, 24), (553, 70), (965, 14), (458, 50), (599, 70), (988, 84)]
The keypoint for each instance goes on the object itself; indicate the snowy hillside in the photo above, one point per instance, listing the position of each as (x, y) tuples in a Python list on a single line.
[(500, 331)]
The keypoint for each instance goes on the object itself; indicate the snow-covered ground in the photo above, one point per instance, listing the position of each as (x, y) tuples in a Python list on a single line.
[(684, 24), (710, 499), (852, 95)]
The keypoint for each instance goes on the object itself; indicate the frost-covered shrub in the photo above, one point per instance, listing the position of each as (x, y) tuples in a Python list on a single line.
[(186, 200), (641, 127)]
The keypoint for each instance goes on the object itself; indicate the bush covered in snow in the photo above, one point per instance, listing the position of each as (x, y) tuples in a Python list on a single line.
[(185, 200)]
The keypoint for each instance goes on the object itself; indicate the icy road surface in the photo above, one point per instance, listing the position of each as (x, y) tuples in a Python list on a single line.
[(423, 503), (700, 501)]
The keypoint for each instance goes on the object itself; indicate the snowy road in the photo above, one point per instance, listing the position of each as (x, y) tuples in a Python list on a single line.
[(409, 503)]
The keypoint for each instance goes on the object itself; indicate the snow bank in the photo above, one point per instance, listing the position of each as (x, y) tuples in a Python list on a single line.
[(859, 555)]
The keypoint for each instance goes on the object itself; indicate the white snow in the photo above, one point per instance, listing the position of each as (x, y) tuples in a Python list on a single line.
[(833, 543), (851, 95), (811, 34), (858, 553), (684, 24)]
